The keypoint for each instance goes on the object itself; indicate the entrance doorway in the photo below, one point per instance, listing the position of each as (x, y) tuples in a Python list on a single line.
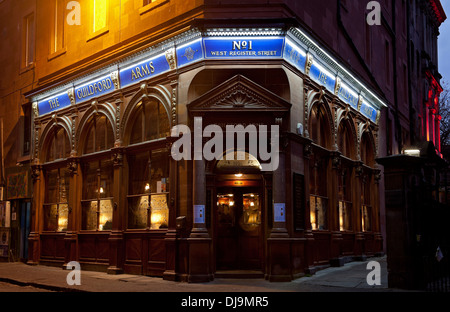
[(239, 228)]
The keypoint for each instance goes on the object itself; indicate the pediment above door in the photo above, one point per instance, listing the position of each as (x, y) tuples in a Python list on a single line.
[(239, 94)]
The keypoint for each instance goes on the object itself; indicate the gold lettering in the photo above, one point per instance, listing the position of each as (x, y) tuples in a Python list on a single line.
[(133, 75), (145, 70), (152, 69)]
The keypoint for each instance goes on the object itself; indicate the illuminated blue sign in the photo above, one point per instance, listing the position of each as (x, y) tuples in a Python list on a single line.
[(319, 74), (54, 103), (144, 70), (295, 56), (244, 47), (189, 53), (347, 95), (369, 111), (94, 88)]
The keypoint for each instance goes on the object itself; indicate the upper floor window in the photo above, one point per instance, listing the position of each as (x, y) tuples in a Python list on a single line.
[(59, 15), (99, 18), (28, 40), (148, 5)]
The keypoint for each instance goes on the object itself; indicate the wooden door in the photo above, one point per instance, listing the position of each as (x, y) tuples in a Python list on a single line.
[(239, 229)]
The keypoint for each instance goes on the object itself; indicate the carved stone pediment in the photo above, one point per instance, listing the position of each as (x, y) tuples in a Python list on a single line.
[(239, 94)]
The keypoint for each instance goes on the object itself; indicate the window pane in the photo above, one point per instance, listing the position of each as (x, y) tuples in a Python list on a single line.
[(160, 172), (89, 143), (136, 131), (151, 120), (137, 212), (106, 214), (52, 186), (64, 186), (100, 11), (164, 126), (366, 218), (100, 134), (89, 215), (50, 212), (139, 174), (160, 212), (106, 179), (90, 180), (63, 217), (318, 213), (345, 210)]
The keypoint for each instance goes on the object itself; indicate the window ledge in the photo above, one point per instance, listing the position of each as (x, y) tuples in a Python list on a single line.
[(98, 34), (56, 54), (27, 68), (151, 6), (23, 159)]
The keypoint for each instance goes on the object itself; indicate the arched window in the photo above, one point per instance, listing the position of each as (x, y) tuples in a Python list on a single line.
[(321, 135), (56, 182), (151, 122), (100, 135), (346, 144), (319, 127), (367, 152), (148, 184), (98, 176), (59, 145)]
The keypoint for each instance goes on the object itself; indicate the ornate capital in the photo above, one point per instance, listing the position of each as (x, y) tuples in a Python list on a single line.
[(309, 62), (72, 166), (115, 79), (36, 172), (117, 157), (307, 151), (336, 161)]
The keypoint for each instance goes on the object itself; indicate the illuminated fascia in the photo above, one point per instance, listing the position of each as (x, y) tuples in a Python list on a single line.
[(316, 49)]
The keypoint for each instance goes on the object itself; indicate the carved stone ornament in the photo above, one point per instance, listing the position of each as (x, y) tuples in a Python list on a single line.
[(72, 166), (35, 172), (309, 62), (307, 150), (117, 157), (171, 58), (115, 79), (338, 86), (35, 109), (71, 94)]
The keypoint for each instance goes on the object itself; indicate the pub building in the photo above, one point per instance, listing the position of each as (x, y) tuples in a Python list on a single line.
[(109, 193)]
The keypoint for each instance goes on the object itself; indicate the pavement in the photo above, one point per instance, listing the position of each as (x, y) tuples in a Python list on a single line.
[(352, 277)]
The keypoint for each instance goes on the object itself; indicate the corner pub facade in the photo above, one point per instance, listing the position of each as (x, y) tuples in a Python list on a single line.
[(108, 193)]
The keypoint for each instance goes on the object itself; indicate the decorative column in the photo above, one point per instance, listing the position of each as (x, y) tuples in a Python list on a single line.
[(199, 241), (36, 212), (172, 235), (116, 236), (279, 243), (357, 210), (309, 236), (336, 235), (70, 239)]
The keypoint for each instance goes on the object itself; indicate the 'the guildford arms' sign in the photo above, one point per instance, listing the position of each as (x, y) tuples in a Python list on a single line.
[(218, 48)]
